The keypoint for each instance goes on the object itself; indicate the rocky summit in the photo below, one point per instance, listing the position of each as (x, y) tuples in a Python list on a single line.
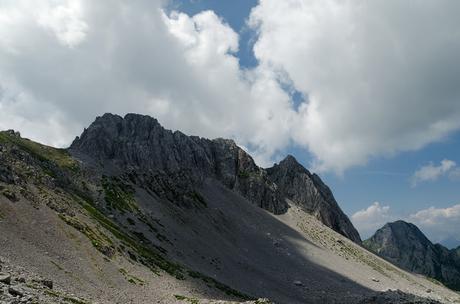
[(135, 213), (308, 191), (140, 144), (405, 245)]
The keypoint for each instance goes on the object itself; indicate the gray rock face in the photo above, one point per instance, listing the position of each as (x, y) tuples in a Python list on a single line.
[(309, 192), (162, 160), (5, 278), (174, 160), (406, 246)]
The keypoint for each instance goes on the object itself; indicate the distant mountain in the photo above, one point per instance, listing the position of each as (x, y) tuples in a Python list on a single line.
[(450, 243), (406, 246)]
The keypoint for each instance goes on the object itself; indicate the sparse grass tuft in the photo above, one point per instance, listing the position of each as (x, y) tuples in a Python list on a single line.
[(131, 278), (9, 194), (198, 198), (147, 256), (188, 299), (98, 239), (243, 174), (228, 290), (57, 265), (119, 195), (74, 300)]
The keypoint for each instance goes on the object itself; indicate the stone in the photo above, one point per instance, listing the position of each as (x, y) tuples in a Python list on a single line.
[(21, 280), (298, 283), (16, 291), (47, 283), (6, 174), (375, 280), (5, 278)]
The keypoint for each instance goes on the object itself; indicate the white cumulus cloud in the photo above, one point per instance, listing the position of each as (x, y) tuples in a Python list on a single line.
[(368, 220), (438, 224), (379, 77), (432, 172), (65, 21), (64, 62)]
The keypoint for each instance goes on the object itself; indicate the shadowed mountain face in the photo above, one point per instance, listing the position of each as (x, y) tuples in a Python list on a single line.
[(406, 246), (173, 163)]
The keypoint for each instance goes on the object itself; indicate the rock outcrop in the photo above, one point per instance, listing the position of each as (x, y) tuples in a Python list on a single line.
[(406, 246), (18, 285), (310, 193), (138, 143)]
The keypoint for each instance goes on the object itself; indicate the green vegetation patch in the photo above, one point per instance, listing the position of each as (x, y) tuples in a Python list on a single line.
[(119, 195), (371, 246), (198, 198), (212, 282), (432, 280), (98, 239), (188, 299), (243, 174), (57, 265), (147, 256), (9, 194), (60, 157), (57, 295), (52, 293), (74, 300), (131, 278)]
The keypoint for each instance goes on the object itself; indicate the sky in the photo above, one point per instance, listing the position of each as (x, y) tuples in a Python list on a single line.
[(365, 93)]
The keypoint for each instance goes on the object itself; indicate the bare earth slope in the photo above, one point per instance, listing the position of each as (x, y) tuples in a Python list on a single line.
[(108, 230)]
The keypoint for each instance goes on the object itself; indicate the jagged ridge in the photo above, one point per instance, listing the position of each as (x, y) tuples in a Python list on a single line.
[(140, 143), (309, 192)]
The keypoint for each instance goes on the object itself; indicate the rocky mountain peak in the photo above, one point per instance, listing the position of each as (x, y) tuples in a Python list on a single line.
[(140, 144), (309, 192), (13, 133), (408, 227), (394, 238), (290, 162), (402, 234), (405, 245)]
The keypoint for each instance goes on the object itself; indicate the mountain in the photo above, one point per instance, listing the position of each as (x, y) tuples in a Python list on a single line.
[(406, 246), (308, 191), (135, 213), (450, 242), (140, 144)]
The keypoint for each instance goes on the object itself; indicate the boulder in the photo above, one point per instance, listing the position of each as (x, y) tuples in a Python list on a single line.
[(16, 291), (5, 278)]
